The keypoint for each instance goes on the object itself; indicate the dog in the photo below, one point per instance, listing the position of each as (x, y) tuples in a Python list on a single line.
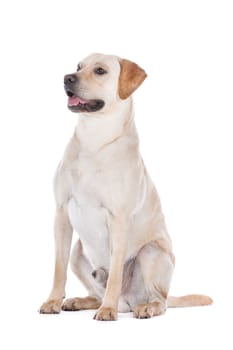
[(103, 191)]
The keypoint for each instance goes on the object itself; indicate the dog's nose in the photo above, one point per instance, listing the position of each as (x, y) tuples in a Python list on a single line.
[(70, 79)]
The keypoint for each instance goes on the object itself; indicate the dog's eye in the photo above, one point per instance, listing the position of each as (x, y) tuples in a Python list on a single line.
[(79, 67), (100, 71)]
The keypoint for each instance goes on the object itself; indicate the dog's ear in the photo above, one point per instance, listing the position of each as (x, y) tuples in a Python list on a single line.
[(131, 76)]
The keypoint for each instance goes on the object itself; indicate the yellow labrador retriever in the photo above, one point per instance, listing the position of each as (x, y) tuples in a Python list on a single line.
[(103, 191)]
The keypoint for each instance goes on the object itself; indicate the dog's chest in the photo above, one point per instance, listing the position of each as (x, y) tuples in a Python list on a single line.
[(87, 213)]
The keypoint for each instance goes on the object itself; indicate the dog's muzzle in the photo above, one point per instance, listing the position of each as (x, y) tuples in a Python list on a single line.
[(76, 103)]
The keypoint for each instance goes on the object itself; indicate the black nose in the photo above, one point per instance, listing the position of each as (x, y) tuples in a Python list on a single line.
[(70, 79)]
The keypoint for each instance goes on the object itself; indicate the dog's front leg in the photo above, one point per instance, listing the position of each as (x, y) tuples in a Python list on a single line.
[(63, 237), (108, 309)]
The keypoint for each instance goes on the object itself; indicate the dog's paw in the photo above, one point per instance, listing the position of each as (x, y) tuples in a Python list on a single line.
[(149, 310), (76, 304), (101, 276), (106, 314), (72, 304), (51, 307)]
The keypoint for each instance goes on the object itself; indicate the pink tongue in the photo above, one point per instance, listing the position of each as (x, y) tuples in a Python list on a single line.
[(75, 101)]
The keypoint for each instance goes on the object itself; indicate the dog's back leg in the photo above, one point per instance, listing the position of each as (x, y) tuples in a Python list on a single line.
[(84, 271), (151, 281)]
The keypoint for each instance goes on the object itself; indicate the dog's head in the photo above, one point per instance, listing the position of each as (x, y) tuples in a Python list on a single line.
[(99, 81)]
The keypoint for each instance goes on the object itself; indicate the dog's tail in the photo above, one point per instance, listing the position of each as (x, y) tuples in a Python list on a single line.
[(189, 300)]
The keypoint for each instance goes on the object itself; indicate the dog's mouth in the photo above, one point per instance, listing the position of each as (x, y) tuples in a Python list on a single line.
[(78, 104)]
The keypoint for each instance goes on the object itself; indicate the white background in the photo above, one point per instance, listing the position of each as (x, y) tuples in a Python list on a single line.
[(184, 116)]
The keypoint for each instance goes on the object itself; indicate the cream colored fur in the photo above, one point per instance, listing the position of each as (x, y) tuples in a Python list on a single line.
[(103, 192)]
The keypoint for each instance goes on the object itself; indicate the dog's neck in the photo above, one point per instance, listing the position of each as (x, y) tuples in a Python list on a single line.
[(96, 131)]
